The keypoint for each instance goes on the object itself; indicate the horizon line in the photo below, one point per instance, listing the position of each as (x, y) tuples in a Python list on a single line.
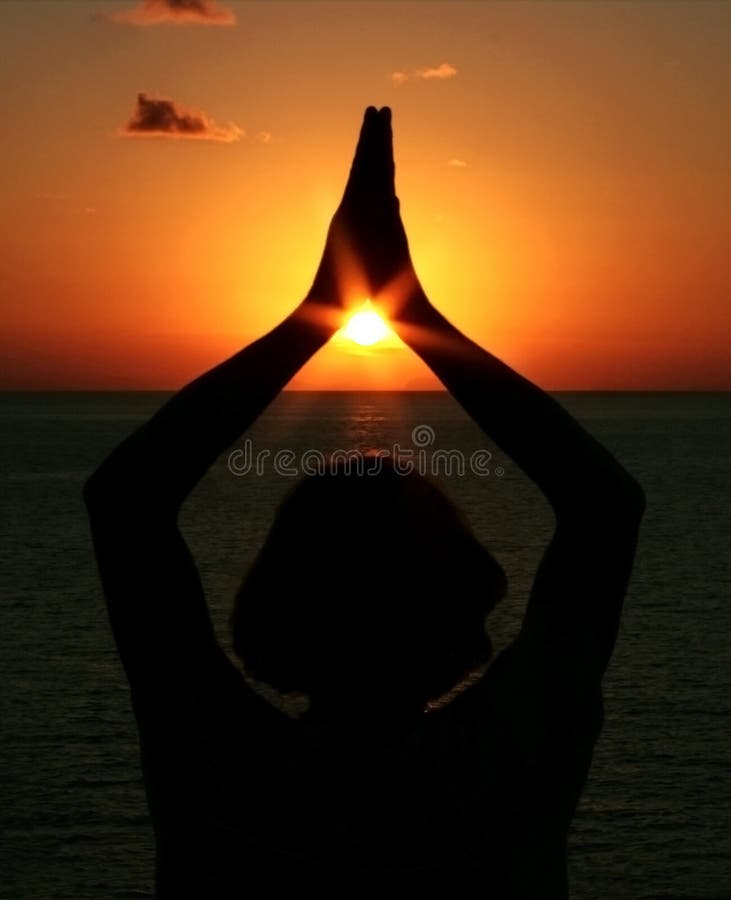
[(371, 390)]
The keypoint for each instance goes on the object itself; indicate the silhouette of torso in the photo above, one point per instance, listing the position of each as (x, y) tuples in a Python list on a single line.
[(247, 802)]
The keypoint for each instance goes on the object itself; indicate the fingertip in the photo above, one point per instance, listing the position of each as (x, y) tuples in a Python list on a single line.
[(370, 113), (386, 114)]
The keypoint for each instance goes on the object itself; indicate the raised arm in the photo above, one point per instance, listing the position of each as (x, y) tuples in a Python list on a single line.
[(151, 585), (584, 573), (583, 576), (159, 464), (150, 581)]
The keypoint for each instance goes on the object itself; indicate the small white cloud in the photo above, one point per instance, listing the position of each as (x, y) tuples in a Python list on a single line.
[(264, 137), (398, 78), (442, 72), (457, 163)]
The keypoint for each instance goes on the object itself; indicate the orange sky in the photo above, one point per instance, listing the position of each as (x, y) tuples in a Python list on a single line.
[(564, 173)]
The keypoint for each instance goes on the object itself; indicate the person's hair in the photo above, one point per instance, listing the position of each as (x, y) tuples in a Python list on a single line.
[(366, 583)]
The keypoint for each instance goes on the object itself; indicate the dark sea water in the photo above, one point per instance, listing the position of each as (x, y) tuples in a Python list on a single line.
[(654, 821)]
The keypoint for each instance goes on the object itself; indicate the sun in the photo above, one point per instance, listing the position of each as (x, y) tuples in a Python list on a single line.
[(366, 327)]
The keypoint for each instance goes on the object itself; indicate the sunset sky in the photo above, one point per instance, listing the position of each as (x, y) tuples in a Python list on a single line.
[(169, 169)]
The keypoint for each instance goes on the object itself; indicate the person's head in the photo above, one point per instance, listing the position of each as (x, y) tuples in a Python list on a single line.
[(368, 585)]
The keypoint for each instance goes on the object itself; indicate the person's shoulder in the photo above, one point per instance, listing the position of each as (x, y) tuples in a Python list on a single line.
[(539, 685), (210, 688), (554, 655)]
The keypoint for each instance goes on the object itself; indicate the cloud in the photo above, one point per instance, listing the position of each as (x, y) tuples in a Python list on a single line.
[(264, 137), (178, 12), (457, 163), (442, 72), (157, 117)]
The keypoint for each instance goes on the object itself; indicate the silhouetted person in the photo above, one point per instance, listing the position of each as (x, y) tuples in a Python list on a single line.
[(370, 594)]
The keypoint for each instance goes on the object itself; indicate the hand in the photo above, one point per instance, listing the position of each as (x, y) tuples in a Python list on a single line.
[(366, 252)]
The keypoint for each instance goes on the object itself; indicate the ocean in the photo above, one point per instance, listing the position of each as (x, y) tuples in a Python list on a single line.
[(654, 821)]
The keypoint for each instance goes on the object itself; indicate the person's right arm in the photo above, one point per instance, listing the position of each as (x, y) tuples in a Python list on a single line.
[(582, 579), (597, 504)]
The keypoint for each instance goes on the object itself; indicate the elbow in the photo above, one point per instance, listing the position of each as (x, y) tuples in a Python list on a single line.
[(95, 493), (611, 503), (105, 490), (114, 495), (109, 508), (624, 496), (636, 500), (90, 491), (622, 501)]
